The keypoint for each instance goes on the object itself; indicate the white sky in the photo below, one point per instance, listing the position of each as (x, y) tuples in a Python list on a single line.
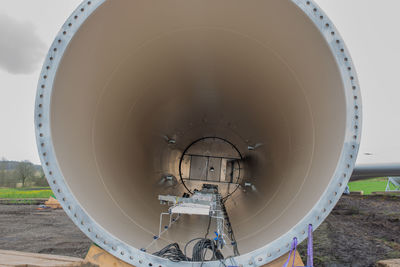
[(370, 29)]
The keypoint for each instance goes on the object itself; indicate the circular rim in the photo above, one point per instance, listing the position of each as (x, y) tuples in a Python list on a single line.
[(257, 257), (199, 140)]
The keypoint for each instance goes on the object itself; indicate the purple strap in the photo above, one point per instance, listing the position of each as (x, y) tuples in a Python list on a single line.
[(310, 254), (292, 249)]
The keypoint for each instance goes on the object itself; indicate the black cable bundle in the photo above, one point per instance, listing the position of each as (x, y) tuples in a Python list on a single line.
[(172, 252), (200, 250)]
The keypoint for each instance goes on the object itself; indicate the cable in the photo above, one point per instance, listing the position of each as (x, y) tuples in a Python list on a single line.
[(230, 233), (208, 227), (194, 239), (202, 245), (172, 252), (204, 251), (175, 254), (200, 250)]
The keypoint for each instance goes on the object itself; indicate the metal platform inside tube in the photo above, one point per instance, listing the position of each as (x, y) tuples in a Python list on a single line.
[(206, 202)]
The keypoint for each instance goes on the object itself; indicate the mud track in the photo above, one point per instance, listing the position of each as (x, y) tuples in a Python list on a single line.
[(359, 232)]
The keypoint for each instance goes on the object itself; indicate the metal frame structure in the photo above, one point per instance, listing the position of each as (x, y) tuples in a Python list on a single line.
[(211, 207), (365, 171), (201, 200), (395, 182), (137, 257)]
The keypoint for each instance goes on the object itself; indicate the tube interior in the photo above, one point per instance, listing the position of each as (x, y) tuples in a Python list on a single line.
[(140, 73)]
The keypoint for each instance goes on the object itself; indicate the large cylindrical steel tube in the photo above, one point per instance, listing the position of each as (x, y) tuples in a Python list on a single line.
[(129, 85), (365, 171)]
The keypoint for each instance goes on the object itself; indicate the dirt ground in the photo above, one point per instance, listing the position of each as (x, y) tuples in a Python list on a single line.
[(359, 232), (24, 228)]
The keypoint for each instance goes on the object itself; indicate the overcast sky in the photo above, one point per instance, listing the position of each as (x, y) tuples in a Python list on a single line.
[(370, 29)]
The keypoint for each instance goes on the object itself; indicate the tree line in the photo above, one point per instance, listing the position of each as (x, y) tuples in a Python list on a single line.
[(21, 174)]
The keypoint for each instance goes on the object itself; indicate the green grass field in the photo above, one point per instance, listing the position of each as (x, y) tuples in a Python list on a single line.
[(25, 193), (369, 186)]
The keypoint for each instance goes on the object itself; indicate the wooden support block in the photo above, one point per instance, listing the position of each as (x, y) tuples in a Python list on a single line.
[(9, 258), (282, 260), (102, 258), (388, 263), (53, 203)]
